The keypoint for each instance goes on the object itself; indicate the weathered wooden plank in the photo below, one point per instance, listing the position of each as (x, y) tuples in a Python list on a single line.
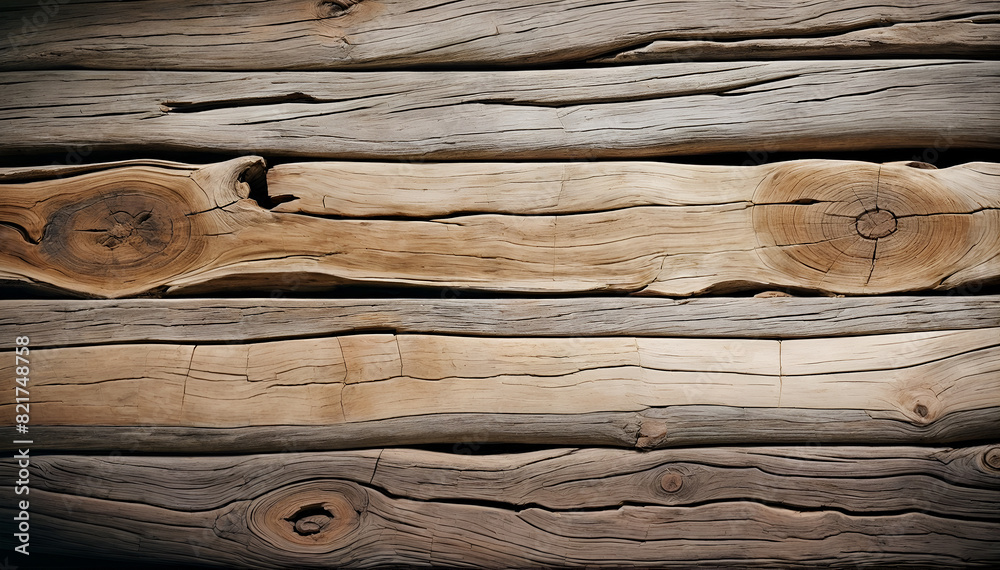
[(835, 226), (635, 111), (65, 323), (364, 379), (305, 34), (560, 507)]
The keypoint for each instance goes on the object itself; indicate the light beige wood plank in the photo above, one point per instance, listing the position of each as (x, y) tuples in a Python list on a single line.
[(917, 378), (833, 226)]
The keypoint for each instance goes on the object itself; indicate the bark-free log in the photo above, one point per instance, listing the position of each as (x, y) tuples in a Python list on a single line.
[(751, 506), (311, 34), (664, 229), (420, 388), (635, 111)]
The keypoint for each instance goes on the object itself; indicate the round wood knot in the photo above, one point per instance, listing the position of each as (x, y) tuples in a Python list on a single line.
[(874, 224), (860, 228), (120, 234), (315, 516), (671, 481), (992, 458), (920, 404)]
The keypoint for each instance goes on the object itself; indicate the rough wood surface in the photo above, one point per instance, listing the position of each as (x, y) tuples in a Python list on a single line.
[(306, 34), (654, 228), (363, 379), (634, 111), (65, 323), (749, 506)]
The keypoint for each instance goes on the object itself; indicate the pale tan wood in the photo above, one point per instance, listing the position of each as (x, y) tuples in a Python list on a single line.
[(558, 507), (916, 377), (62, 323), (635, 111), (833, 226), (953, 37), (303, 34)]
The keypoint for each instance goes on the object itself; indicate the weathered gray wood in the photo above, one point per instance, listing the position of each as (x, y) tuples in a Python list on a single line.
[(95, 322), (559, 507), (653, 428), (637, 111), (305, 34)]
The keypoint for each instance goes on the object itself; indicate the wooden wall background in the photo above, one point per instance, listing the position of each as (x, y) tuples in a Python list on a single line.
[(364, 283)]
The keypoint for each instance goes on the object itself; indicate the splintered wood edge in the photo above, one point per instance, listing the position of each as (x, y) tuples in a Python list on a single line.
[(554, 507), (833, 226)]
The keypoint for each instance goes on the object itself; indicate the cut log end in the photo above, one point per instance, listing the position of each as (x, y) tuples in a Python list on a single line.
[(123, 231), (866, 229)]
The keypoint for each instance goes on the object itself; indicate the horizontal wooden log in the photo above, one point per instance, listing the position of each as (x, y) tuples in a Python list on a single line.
[(635, 111), (756, 506), (363, 379), (834, 226), (305, 34), (65, 323)]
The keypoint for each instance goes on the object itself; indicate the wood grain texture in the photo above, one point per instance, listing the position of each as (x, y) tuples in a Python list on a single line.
[(306, 34), (634, 111), (64, 323), (363, 379), (838, 506), (653, 228)]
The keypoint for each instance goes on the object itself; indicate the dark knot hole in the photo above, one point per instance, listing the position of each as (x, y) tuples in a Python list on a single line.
[(311, 519)]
